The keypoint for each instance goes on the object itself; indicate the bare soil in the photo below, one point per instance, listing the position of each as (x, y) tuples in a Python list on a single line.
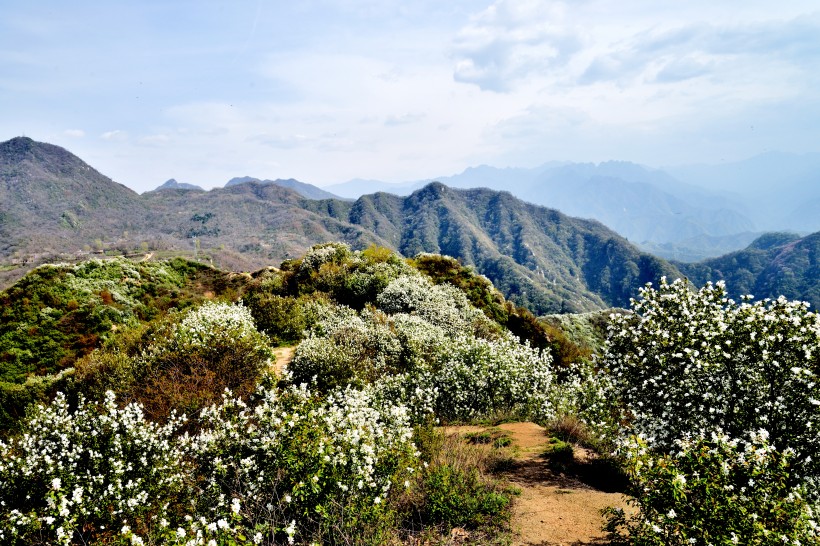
[(283, 357), (560, 503)]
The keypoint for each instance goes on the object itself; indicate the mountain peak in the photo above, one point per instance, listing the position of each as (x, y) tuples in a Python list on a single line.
[(172, 184)]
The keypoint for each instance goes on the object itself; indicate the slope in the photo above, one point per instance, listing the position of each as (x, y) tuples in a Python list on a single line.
[(538, 257), (773, 265)]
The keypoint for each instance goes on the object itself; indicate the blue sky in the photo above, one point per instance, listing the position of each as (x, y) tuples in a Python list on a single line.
[(324, 91)]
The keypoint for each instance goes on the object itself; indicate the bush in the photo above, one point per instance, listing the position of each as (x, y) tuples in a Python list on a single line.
[(718, 405), (191, 361), (76, 477), (692, 362), (329, 466), (714, 491)]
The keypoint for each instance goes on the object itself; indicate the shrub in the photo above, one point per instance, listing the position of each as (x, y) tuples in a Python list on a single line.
[(476, 378), (690, 362), (190, 362), (714, 491), (76, 477), (329, 466)]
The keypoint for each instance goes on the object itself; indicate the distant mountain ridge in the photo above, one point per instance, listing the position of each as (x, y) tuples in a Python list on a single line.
[(773, 264), (540, 257), (649, 207), (58, 208), (51, 199), (308, 191)]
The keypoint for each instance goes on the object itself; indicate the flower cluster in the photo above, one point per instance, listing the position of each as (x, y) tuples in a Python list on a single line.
[(716, 490), (294, 457), (73, 476), (694, 362), (423, 348)]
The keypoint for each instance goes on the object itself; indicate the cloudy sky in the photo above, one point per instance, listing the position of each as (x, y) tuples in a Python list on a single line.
[(328, 90)]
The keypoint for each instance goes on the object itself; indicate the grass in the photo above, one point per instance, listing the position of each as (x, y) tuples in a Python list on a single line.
[(457, 490)]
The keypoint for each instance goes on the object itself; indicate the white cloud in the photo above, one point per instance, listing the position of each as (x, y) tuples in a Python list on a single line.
[(74, 133), (115, 135), (511, 40), (160, 139)]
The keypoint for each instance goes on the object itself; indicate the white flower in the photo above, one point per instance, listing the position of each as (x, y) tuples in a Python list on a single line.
[(56, 483)]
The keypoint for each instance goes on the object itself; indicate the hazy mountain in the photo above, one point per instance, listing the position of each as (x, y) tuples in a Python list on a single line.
[(353, 189), (537, 256), (644, 205), (775, 187), (56, 207), (700, 247), (774, 264), (172, 184), (305, 190)]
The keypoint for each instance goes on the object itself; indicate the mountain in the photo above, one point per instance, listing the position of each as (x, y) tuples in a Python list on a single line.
[(308, 191), (537, 257), (700, 247), (52, 200), (172, 184), (775, 187), (647, 206), (774, 264), (353, 189)]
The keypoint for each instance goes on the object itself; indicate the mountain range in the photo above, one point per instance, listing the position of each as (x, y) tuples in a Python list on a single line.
[(684, 213), (56, 207)]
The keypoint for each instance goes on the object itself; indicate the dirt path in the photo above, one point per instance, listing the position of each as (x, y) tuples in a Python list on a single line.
[(559, 504), (283, 357)]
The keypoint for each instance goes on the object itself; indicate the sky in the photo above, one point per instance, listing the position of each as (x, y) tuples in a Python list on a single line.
[(329, 90)]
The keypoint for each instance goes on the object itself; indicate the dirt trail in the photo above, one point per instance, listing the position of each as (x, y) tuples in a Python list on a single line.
[(559, 505), (283, 357)]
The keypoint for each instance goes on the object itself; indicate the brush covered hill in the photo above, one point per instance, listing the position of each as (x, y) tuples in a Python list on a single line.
[(775, 264), (57, 315), (538, 257), (52, 201), (340, 449)]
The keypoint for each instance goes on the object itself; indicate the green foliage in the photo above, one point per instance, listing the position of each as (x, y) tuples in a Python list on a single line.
[(695, 362), (59, 313), (56, 314), (714, 491), (455, 488), (773, 265), (718, 406), (461, 498)]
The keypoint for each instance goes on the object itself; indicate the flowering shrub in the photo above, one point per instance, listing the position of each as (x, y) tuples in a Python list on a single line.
[(720, 427), (424, 364), (476, 378), (301, 465), (79, 476), (287, 464), (715, 491), (188, 364), (346, 348), (444, 305), (692, 362)]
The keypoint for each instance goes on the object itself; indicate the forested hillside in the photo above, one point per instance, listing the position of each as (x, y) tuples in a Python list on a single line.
[(538, 257), (773, 265)]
